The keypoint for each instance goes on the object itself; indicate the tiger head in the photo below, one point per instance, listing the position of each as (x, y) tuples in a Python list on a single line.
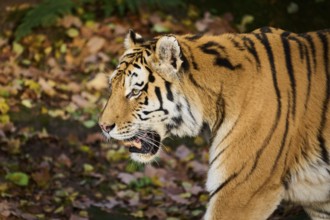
[(147, 101)]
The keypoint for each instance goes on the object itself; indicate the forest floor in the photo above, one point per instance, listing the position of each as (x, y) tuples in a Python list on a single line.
[(54, 162)]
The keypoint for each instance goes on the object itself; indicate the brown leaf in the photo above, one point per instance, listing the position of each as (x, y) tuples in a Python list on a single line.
[(5, 209), (182, 152), (94, 137), (65, 160), (47, 87), (95, 44), (41, 177), (77, 217), (154, 212), (70, 20), (195, 190), (178, 199), (199, 168), (80, 101), (126, 177), (151, 171)]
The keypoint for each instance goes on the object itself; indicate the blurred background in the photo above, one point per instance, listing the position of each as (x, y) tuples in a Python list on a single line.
[(54, 57)]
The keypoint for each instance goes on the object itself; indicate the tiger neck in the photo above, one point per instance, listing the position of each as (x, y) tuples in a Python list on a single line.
[(217, 91)]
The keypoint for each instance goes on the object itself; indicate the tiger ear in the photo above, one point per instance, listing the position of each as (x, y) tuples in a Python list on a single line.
[(168, 54), (132, 39)]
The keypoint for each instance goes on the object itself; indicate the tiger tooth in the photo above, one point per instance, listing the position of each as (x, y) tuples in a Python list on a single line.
[(135, 143)]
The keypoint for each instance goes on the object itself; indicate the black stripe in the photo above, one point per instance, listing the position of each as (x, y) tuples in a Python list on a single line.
[(159, 97), (194, 37), (249, 44), (309, 75), (146, 101), (174, 124), (169, 94), (148, 52), (185, 64), (222, 185), (288, 62), (136, 66), (236, 44), (220, 109), (324, 151), (218, 155), (189, 110), (265, 29), (193, 61), (211, 48), (145, 88), (300, 46), (139, 84), (312, 46)]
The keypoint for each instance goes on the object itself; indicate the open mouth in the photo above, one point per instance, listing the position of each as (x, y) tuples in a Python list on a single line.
[(146, 143)]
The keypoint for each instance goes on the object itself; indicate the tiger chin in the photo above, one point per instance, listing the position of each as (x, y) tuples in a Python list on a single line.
[(264, 95)]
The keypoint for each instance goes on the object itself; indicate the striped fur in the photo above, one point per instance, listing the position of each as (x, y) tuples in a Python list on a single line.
[(265, 96)]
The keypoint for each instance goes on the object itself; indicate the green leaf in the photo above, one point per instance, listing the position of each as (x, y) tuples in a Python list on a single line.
[(18, 48), (18, 178), (88, 168), (44, 14), (158, 28), (89, 123), (72, 32), (27, 103)]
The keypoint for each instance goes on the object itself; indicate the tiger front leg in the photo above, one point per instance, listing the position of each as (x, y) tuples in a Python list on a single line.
[(244, 202)]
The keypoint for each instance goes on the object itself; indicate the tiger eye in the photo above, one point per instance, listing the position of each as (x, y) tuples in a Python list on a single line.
[(135, 92)]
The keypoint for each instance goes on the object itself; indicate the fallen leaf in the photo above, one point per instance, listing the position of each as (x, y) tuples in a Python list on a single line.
[(182, 152), (88, 168), (155, 213), (126, 177), (80, 101), (41, 177), (72, 32), (47, 87), (18, 178), (99, 82), (178, 199), (95, 44), (65, 160)]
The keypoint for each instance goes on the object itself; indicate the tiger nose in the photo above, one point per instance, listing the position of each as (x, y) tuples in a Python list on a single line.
[(107, 128)]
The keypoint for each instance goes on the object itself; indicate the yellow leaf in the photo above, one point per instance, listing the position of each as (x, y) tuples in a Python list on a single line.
[(33, 85), (4, 108), (4, 119), (44, 110), (37, 57), (72, 32), (27, 103), (48, 50), (88, 168), (63, 48), (3, 187), (18, 48), (59, 210)]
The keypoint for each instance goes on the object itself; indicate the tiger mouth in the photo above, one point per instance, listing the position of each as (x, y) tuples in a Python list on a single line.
[(146, 143)]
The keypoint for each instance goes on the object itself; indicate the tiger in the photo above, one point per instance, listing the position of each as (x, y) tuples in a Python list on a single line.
[(264, 96)]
